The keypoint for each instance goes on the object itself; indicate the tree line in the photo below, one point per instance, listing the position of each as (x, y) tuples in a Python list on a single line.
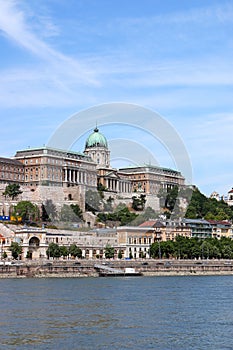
[(193, 248), (27, 212), (56, 251)]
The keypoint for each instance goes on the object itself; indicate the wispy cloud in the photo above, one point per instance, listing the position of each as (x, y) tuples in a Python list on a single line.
[(223, 12), (14, 25)]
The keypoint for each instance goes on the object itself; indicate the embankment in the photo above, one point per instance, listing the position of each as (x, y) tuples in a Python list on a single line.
[(86, 268)]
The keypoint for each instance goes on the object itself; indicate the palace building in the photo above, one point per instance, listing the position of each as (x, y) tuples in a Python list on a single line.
[(64, 175), (52, 167)]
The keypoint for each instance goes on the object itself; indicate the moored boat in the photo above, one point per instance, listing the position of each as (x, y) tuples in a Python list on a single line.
[(127, 272)]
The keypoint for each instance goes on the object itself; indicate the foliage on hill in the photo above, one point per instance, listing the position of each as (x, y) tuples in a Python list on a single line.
[(27, 211), (190, 248), (172, 200), (121, 216), (139, 202), (147, 214), (12, 191), (208, 208)]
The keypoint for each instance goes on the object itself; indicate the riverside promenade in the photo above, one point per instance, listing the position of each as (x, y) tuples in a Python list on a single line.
[(87, 268)]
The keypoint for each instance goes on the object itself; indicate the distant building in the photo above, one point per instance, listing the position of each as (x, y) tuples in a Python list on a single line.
[(138, 239), (199, 228), (215, 195), (230, 197), (221, 229)]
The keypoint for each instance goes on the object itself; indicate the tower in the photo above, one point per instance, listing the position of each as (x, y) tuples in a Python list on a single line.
[(97, 148)]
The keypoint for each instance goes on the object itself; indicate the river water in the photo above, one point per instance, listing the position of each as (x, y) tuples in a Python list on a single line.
[(193, 312)]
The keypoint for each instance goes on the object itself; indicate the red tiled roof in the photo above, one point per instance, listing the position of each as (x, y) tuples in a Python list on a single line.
[(219, 222), (151, 223)]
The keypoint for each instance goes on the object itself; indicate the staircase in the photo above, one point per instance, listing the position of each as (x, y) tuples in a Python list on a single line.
[(5, 231)]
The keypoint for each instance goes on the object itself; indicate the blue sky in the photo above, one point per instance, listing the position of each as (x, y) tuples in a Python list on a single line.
[(59, 57)]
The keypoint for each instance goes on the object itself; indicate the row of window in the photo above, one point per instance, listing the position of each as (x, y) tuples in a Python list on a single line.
[(144, 240), (9, 176), (10, 168)]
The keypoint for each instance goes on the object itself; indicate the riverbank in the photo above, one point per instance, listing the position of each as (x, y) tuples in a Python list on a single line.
[(87, 268)]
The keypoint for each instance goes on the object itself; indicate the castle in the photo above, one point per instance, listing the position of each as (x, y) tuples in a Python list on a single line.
[(64, 176)]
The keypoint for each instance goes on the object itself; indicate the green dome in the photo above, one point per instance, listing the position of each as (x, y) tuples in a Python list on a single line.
[(96, 139)]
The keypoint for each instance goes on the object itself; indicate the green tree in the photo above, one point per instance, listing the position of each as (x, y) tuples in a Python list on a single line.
[(119, 254), (109, 252), (121, 215), (12, 191), (227, 252), (209, 208), (27, 211), (53, 251), (125, 216), (15, 249), (139, 202), (75, 251), (64, 251)]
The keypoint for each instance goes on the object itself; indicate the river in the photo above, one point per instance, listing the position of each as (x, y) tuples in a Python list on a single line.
[(185, 312)]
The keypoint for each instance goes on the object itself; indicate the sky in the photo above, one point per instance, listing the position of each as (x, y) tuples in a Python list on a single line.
[(174, 58)]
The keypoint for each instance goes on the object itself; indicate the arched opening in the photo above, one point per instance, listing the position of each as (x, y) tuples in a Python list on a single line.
[(34, 244)]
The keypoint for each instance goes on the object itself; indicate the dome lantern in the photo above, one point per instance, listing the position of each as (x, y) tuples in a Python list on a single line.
[(96, 139)]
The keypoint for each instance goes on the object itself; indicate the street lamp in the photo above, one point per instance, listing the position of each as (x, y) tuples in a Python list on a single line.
[(158, 240), (159, 250)]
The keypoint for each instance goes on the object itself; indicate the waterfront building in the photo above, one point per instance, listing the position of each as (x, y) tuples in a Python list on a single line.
[(92, 243), (35, 241), (168, 230), (138, 239), (221, 229), (200, 228)]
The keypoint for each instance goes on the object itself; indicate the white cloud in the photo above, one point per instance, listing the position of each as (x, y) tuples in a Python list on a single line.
[(200, 15), (13, 23)]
